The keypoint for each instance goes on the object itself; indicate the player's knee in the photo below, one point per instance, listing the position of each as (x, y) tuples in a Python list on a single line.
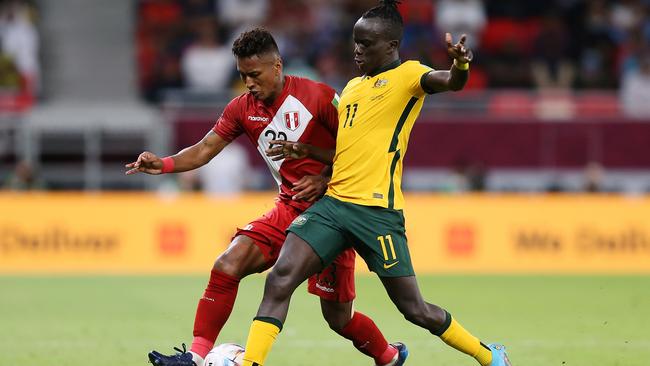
[(279, 282), (229, 266), (282, 269)]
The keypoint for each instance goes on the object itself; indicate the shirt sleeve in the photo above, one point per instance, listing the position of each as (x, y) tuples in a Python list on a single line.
[(412, 75), (329, 113), (228, 126)]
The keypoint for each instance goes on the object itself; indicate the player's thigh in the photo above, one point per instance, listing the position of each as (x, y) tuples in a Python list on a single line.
[(379, 236), (319, 227), (296, 263), (243, 257), (256, 246)]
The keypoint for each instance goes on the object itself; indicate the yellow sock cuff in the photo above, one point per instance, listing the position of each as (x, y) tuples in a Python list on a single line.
[(445, 326), (269, 320), (261, 337), (459, 338), (455, 330)]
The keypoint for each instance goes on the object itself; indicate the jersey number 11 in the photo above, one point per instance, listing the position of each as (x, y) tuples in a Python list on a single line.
[(347, 116)]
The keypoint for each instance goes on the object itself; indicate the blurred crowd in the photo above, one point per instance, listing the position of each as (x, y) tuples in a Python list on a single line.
[(550, 45), (185, 44), (565, 44), (19, 62)]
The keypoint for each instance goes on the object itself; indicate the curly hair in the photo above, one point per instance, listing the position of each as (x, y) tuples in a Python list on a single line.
[(257, 41), (387, 10)]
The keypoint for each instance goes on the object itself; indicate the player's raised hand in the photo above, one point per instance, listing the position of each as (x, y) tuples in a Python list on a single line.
[(459, 51), (147, 162), (310, 187), (281, 149)]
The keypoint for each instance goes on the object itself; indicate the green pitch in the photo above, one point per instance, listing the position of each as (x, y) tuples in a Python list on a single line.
[(544, 321)]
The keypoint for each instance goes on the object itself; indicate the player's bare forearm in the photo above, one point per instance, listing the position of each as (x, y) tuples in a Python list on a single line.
[(326, 172), (457, 76), (325, 156), (443, 80), (199, 154)]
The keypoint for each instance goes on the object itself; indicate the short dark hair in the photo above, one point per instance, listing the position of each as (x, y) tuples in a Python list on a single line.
[(387, 11), (257, 41)]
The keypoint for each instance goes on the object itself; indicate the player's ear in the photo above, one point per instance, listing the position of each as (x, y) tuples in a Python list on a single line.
[(278, 65), (393, 46)]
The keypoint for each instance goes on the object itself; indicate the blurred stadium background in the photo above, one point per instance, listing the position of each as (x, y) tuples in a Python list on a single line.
[(537, 172)]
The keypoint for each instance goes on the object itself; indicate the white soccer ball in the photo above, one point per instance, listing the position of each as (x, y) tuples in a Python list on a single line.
[(225, 354)]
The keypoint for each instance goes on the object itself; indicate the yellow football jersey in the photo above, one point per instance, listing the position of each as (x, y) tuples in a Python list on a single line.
[(376, 115)]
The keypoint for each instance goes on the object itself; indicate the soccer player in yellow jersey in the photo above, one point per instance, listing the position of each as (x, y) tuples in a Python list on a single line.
[(363, 203)]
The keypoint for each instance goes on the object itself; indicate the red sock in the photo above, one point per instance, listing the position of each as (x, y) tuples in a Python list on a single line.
[(367, 338), (213, 311)]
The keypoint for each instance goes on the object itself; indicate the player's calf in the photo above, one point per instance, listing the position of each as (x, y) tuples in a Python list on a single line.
[(425, 315)]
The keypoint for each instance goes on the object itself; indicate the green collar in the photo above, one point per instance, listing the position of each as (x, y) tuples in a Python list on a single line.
[(386, 67)]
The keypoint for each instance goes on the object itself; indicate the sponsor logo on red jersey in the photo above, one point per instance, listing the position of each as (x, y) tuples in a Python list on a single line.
[(258, 119)]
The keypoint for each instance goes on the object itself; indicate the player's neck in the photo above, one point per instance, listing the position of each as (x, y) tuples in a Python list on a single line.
[(391, 64), (276, 93)]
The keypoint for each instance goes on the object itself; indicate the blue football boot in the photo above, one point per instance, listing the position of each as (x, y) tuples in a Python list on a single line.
[(499, 355)]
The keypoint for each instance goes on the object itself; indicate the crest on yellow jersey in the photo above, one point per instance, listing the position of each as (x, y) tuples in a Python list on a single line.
[(380, 83)]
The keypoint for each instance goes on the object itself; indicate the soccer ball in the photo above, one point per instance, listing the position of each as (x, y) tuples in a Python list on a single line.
[(226, 354)]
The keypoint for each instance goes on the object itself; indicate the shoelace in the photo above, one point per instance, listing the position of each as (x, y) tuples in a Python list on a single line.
[(184, 350)]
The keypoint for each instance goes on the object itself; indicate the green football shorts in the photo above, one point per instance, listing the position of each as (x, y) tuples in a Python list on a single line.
[(377, 234)]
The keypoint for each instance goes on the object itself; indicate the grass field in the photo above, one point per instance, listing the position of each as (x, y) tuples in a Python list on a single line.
[(544, 320)]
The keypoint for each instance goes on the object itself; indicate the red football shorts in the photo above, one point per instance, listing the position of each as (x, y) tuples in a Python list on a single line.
[(334, 283)]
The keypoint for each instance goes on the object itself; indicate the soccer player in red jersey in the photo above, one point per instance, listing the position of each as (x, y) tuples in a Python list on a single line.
[(276, 107)]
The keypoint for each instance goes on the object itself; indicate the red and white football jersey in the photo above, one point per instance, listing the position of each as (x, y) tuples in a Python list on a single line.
[(305, 111)]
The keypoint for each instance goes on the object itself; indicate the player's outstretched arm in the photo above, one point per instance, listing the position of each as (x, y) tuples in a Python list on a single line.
[(296, 150), (189, 158), (456, 77)]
